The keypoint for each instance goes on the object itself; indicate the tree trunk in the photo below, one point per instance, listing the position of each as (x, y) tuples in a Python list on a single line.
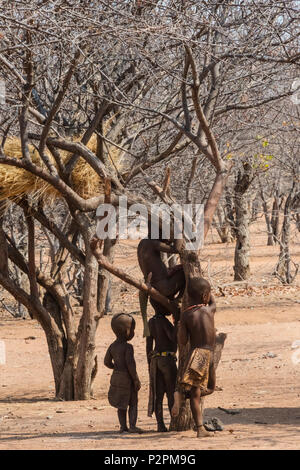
[(3, 253), (298, 222), (275, 219), (213, 199), (283, 268), (255, 210), (66, 390), (268, 221), (86, 347), (242, 247), (63, 359), (223, 227), (57, 356), (229, 212), (104, 276)]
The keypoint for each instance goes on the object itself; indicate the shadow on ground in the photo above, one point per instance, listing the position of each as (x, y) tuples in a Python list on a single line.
[(288, 417), (263, 416)]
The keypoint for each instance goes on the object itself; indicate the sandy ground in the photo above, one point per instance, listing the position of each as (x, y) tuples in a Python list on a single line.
[(263, 390)]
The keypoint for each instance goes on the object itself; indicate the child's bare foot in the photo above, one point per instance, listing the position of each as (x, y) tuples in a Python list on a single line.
[(124, 430), (176, 406), (135, 429), (201, 432), (162, 428)]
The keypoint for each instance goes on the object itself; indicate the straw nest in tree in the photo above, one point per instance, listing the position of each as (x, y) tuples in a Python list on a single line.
[(15, 183)]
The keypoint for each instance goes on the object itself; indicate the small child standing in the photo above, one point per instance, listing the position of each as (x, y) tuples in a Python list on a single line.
[(124, 382)]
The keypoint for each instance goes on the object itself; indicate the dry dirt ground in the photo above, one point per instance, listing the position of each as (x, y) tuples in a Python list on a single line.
[(263, 389)]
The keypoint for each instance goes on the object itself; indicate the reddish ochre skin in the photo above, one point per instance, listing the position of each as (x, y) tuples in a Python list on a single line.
[(197, 325), (150, 262)]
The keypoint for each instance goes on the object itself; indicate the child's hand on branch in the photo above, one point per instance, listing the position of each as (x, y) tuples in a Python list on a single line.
[(96, 245)]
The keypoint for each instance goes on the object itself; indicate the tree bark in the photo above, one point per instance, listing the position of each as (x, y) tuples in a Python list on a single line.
[(3, 253), (242, 247), (270, 241), (223, 228), (283, 268), (275, 218), (213, 198), (104, 276), (86, 346)]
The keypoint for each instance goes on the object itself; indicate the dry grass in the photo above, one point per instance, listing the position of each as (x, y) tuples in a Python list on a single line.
[(16, 183)]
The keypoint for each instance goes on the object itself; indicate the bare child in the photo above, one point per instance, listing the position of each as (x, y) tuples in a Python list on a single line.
[(196, 325), (124, 383), (162, 363), (168, 282)]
